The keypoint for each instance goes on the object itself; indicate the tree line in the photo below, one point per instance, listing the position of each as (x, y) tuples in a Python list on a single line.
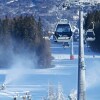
[(94, 16), (23, 35)]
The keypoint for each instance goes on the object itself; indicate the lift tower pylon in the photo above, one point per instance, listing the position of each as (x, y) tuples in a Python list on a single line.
[(81, 62)]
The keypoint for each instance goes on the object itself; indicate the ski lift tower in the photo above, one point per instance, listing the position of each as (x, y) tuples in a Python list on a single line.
[(81, 95), (81, 63)]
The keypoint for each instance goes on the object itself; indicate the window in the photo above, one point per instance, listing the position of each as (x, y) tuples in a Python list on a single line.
[(63, 28)]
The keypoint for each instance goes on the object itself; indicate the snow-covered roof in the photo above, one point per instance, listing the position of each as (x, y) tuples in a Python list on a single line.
[(63, 21), (11, 1)]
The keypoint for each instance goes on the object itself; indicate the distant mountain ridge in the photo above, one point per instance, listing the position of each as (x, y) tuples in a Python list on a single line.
[(49, 10), (14, 7), (46, 9)]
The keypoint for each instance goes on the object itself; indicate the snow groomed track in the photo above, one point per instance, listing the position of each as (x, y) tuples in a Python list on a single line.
[(64, 71)]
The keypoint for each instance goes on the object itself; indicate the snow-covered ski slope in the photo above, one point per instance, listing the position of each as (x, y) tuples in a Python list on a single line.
[(92, 61), (64, 72)]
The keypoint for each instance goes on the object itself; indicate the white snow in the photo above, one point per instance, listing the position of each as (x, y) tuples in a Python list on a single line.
[(93, 74), (11, 1), (64, 71), (32, 5)]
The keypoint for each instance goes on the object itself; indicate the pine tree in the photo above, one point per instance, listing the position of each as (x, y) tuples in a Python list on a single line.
[(94, 17), (23, 35)]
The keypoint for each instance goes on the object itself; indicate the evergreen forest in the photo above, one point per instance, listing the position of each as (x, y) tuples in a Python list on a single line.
[(22, 37), (94, 17)]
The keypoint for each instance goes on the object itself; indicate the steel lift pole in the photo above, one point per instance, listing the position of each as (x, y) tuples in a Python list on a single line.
[(81, 63), (71, 49)]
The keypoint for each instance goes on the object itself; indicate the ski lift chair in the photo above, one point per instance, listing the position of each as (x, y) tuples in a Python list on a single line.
[(63, 32), (90, 35)]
